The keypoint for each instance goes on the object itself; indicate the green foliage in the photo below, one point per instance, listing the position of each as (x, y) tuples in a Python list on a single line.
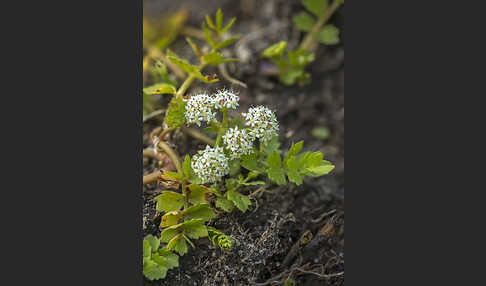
[(292, 65), (220, 239), (156, 260), (175, 113)]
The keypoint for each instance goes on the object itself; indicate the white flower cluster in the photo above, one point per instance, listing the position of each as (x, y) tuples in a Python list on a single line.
[(210, 165), (199, 108), (226, 98), (238, 141), (263, 122)]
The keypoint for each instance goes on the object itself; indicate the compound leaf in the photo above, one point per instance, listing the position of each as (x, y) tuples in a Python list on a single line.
[(200, 211), (169, 201), (241, 201)]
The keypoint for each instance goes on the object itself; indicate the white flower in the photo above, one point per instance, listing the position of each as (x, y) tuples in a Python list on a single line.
[(226, 98), (210, 165), (263, 122), (199, 108), (238, 141)]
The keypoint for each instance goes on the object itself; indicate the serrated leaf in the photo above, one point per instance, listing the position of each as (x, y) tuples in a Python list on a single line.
[(171, 218), (153, 242), (329, 35), (171, 260), (293, 171), (169, 233), (304, 21), (276, 50), (200, 211), (231, 183), (241, 201), (197, 194), (317, 7), (195, 229), (181, 63), (219, 20), (153, 271), (250, 162), (225, 204), (294, 149), (172, 176), (178, 243), (275, 171), (169, 201), (228, 26), (175, 114)]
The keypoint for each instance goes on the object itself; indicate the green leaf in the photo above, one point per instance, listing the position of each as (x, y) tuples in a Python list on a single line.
[(171, 260), (250, 162), (153, 242), (231, 183), (300, 58), (169, 233), (169, 201), (275, 51), (329, 35), (318, 7), (294, 150), (293, 171), (172, 176), (228, 26), (304, 21), (319, 170), (160, 88), (200, 211), (147, 249), (186, 167), (197, 194), (241, 201), (171, 218), (181, 63), (193, 46), (225, 204), (272, 146), (210, 22), (208, 35), (275, 172), (178, 243), (175, 113), (195, 229), (219, 20), (321, 133), (225, 43), (215, 59), (290, 76), (153, 271)]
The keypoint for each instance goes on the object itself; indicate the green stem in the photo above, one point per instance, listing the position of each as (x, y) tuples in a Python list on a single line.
[(223, 127), (310, 37)]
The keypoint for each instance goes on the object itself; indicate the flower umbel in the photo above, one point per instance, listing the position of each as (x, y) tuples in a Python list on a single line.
[(210, 164), (199, 108), (226, 99), (238, 141), (263, 122)]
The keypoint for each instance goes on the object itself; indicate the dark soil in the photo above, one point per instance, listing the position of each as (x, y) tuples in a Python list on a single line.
[(278, 217)]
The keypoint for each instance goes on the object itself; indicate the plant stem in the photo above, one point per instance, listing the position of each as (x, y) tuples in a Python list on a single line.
[(222, 127), (152, 177), (187, 83), (310, 37), (199, 136), (172, 155), (165, 132)]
